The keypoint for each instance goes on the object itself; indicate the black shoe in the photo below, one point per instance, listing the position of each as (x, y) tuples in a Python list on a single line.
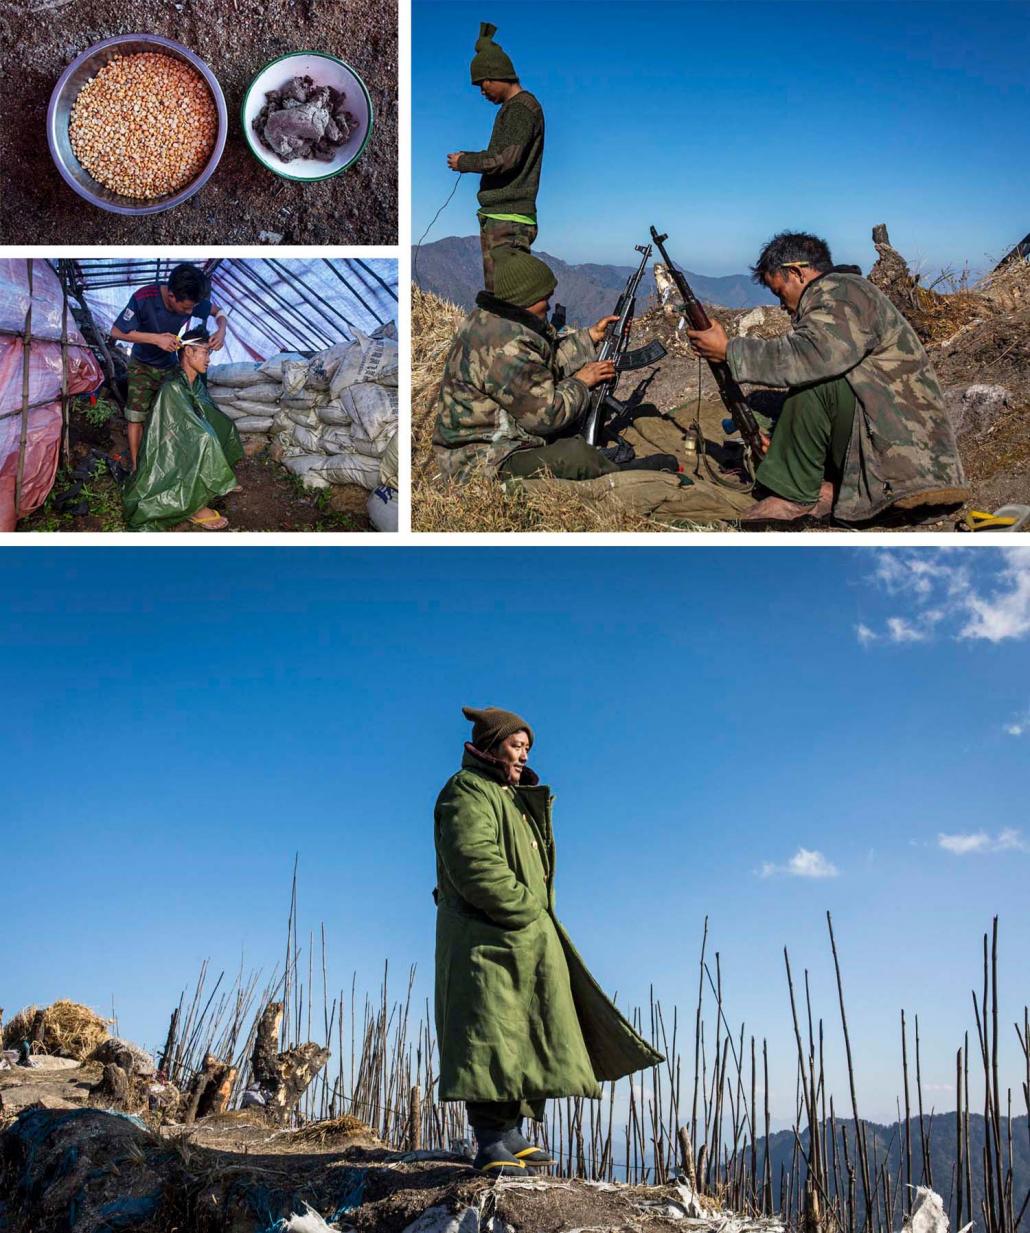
[(653, 462), (495, 1160), (532, 1157)]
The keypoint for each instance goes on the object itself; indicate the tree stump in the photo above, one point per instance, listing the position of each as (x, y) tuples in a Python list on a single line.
[(209, 1092), (284, 1077)]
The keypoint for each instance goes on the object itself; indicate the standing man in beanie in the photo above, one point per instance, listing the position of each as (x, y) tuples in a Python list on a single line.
[(519, 1018), (510, 165), (512, 385)]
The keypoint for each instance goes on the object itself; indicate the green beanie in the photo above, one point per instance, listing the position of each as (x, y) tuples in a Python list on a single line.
[(491, 725), (491, 63), (522, 279)]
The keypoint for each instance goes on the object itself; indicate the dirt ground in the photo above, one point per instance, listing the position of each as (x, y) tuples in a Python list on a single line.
[(270, 498), (231, 1173), (242, 198)]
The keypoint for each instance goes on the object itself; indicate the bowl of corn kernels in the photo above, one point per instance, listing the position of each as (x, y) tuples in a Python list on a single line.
[(136, 124)]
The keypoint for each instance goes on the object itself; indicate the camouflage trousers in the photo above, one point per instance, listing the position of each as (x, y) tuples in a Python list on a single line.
[(810, 441), (570, 459), (496, 234), (144, 381)]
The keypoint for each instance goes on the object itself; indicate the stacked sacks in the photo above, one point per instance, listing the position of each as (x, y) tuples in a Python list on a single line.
[(249, 394), (338, 412)]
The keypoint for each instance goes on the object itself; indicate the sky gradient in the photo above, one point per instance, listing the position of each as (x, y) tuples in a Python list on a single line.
[(723, 123), (756, 735)]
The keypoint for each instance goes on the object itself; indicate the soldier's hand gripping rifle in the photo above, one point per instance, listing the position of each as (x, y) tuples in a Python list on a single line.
[(741, 415), (614, 347)]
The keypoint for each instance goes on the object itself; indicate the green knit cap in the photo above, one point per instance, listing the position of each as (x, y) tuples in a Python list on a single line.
[(522, 279), (491, 725), (491, 63)]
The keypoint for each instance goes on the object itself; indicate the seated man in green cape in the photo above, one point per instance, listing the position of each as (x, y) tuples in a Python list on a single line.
[(519, 1018), (189, 450)]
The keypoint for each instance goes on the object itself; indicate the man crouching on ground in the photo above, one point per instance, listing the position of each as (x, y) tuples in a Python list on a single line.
[(518, 1016), (864, 425), (511, 385)]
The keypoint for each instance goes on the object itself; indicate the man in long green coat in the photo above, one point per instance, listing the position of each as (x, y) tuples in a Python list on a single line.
[(519, 1018)]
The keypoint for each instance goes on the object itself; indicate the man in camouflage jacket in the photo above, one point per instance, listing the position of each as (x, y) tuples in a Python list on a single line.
[(864, 426), (511, 384), (509, 167)]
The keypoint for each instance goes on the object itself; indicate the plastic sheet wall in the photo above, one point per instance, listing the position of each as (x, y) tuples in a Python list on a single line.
[(43, 438)]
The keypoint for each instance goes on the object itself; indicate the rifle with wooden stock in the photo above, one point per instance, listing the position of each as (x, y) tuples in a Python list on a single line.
[(741, 416)]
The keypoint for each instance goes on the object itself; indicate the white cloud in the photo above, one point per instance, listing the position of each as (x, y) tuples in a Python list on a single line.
[(978, 842), (864, 634), (899, 630), (803, 864), (1015, 729), (944, 595)]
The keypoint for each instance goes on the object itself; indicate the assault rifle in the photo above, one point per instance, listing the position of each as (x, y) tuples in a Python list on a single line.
[(614, 347), (741, 415)]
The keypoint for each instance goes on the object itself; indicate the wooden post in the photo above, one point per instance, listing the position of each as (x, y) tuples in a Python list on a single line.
[(687, 1157), (415, 1119), (166, 1054), (66, 437)]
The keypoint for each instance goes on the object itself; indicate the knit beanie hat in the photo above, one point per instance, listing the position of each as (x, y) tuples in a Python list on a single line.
[(522, 279), (491, 725), (491, 63)]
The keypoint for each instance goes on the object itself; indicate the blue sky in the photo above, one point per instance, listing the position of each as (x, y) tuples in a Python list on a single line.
[(724, 122), (719, 726)]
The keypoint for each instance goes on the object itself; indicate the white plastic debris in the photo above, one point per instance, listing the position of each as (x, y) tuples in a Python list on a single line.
[(928, 1214), (310, 1222)]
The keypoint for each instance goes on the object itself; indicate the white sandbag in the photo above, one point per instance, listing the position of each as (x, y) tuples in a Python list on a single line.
[(306, 398), (306, 467), (231, 410), (254, 423), (295, 377), (382, 508), (255, 408), (306, 419), (242, 374), (337, 440), (309, 441), (223, 393), (264, 391), (323, 366), (272, 368), (349, 469), (373, 409), (388, 465), (368, 360), (333, 413)]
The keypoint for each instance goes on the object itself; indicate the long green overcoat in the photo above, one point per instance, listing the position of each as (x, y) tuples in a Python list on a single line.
[(518, 1016)]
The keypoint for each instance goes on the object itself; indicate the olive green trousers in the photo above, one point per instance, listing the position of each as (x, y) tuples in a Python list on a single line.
[(810, 441), (570, 458)]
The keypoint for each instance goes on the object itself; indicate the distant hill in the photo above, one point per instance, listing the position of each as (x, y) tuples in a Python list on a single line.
[(888, 1142), (453, 268)]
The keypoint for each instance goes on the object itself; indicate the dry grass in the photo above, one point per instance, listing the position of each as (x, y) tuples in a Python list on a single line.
[(68, 1029), (345, 1129), (482, 504)]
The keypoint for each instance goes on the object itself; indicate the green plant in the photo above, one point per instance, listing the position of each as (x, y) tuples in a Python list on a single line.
[(99, 412)]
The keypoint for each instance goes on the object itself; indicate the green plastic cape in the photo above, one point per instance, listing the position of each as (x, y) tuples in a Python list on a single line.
[(189, 451)]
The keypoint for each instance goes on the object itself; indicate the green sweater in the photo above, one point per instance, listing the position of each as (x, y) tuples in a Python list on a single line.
[(510, 165)]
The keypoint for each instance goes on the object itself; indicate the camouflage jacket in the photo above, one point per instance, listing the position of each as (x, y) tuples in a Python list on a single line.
[(903, 441), (506, 386)]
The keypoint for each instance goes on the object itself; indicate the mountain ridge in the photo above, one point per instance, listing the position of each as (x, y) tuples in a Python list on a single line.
[(452, 268)]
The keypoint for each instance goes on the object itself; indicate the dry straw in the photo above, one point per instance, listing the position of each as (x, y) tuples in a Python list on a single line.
[(65, 1029)]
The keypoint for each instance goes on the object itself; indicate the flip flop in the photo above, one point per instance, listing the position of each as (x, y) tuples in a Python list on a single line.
[(213, 522)]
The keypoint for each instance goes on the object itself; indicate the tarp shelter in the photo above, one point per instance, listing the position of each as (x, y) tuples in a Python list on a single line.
[(44, 361), (273, 305)]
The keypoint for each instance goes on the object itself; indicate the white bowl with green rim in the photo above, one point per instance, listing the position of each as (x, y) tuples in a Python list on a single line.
[(324, 70)]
